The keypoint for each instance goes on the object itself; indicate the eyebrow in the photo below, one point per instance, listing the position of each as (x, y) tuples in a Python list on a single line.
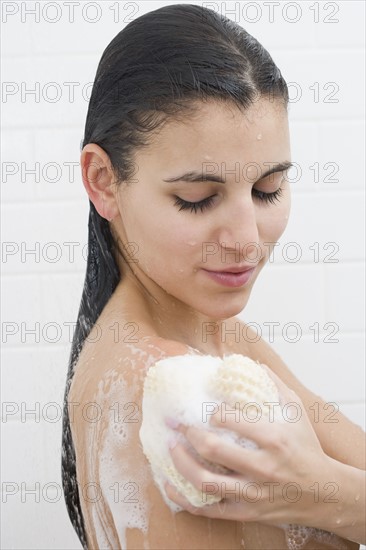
[(197, 176)]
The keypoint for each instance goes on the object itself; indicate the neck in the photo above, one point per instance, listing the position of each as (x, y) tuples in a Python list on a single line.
[(167, 316)]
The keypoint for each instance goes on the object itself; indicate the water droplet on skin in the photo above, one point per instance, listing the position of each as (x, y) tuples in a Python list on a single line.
[(191, 243), (357, 497), (259, 136), (338, 521)]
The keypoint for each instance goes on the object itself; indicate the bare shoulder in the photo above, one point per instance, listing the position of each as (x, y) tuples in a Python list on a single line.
[(131, 509), (334, 430), (122, 348), (108, 364)]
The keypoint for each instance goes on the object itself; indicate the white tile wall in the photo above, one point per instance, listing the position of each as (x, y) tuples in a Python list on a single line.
[(51, 208)]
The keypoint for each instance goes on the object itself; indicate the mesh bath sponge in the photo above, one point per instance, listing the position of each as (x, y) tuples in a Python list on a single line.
[(189, 388)]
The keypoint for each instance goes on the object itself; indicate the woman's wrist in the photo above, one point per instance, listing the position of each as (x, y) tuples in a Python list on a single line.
[(342, 504)]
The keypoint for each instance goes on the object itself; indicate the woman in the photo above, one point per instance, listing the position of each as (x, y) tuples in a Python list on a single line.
[(184, 160)]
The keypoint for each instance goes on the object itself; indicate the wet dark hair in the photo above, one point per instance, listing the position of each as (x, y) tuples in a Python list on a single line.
[(158, 68)]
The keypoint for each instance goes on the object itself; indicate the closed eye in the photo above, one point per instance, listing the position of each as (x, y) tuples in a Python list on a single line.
[(268, 197), (263, 197), (202, 205)]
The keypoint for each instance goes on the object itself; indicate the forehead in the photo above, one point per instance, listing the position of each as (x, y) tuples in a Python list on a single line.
[(220, 132)]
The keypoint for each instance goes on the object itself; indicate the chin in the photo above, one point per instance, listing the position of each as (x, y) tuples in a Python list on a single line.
[(224, 307)]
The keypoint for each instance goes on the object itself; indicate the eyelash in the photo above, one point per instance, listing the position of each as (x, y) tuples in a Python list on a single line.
[(206, 203)]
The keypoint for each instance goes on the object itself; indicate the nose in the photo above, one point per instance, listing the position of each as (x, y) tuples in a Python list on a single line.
[(238, 233)]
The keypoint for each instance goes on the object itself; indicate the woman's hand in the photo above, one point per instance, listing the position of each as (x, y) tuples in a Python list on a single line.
[(288, 479)]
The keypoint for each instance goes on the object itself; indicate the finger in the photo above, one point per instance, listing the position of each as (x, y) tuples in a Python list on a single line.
[(192, 470), (227, 509), (264, 431), (174, 495), (210, 484), (232, 456), (177, 497)]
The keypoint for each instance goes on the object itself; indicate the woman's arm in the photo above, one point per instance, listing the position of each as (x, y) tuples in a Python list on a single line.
[(333, 458), (288, 479), (340, 438), (350, 520)]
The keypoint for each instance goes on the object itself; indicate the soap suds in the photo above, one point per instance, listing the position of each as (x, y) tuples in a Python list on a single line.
[(122, 501), (189, 389), (297, 536)]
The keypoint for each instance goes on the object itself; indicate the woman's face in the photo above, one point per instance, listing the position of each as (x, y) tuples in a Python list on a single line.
[(173, 242)]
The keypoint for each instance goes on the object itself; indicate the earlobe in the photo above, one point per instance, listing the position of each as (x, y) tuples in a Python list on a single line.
[(98, 179)]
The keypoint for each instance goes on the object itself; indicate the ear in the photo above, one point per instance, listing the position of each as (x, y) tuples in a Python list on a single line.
[(99, 180)]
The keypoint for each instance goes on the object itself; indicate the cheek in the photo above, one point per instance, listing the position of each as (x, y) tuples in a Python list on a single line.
[(168, 242), (173, 233), (273, 220)]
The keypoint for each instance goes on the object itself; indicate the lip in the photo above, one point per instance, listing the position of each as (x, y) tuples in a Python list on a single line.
[(230, 278), (234, 269)]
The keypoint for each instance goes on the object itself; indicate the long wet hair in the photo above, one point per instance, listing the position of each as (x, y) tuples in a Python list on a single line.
[(158, 68)]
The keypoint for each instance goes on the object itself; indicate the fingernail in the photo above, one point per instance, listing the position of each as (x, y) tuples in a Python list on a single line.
[(171, 422), (168, 489)]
